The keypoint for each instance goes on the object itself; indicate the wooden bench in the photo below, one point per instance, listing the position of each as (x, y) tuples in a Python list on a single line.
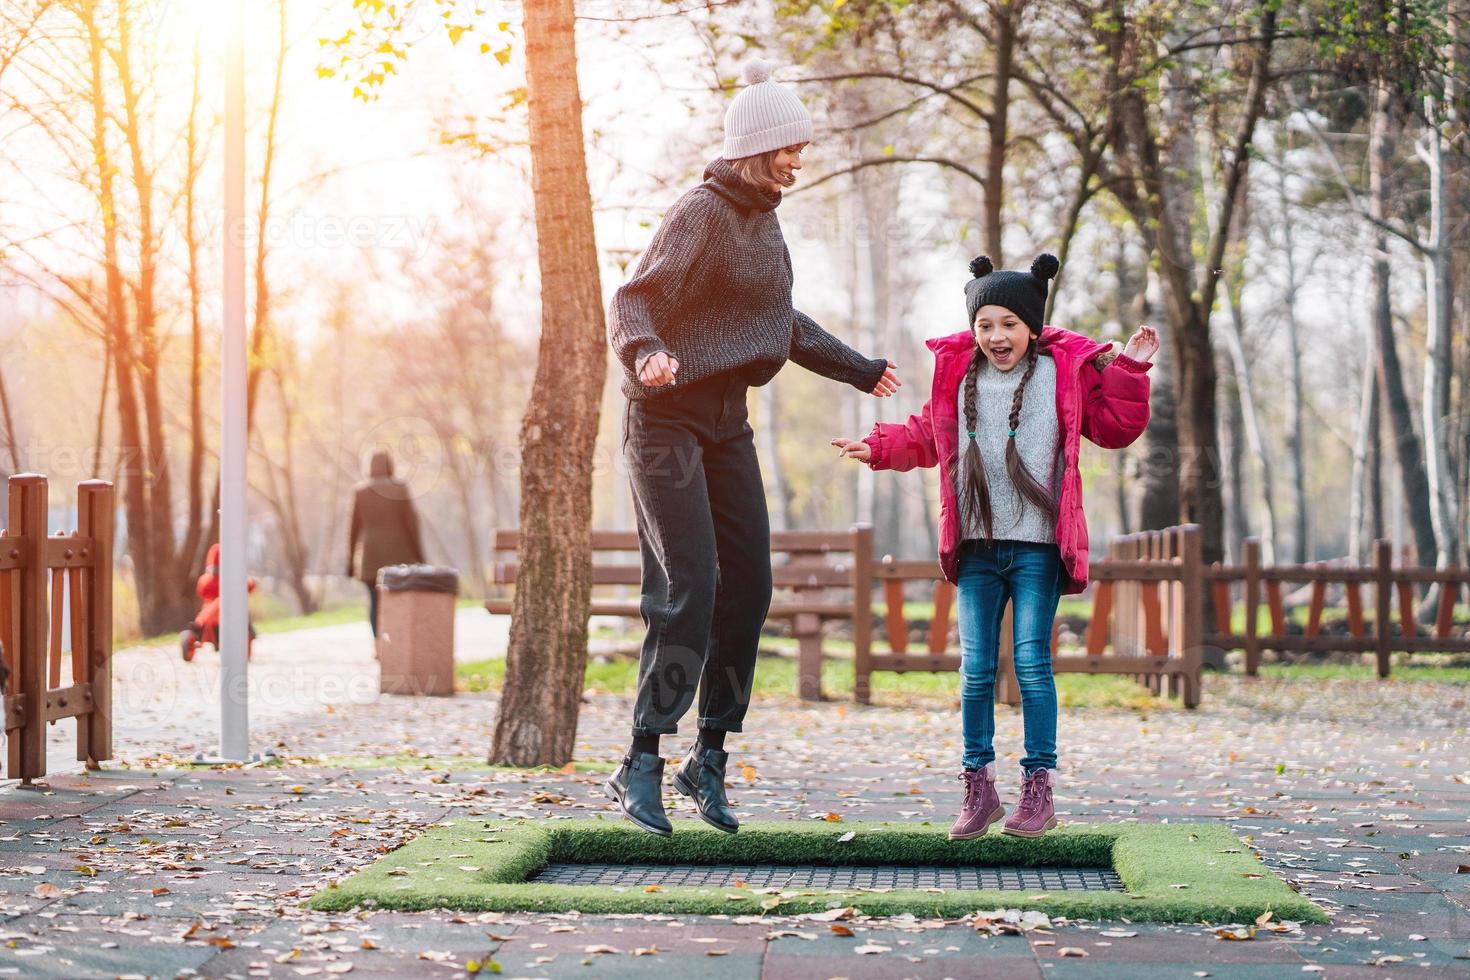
[(819, 576)]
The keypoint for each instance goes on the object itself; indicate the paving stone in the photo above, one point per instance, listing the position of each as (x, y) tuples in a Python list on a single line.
[(1088, 969), (884, 966), (1345, 804)]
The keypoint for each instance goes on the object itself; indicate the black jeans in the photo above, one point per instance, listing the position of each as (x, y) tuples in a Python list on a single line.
[(705, 539), (372, 606)]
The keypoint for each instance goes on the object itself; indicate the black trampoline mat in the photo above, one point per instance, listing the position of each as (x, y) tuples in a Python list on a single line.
[(838, 878)]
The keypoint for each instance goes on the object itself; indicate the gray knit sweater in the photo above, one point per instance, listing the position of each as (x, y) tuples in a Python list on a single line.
[(714, 290), (1037, 440)]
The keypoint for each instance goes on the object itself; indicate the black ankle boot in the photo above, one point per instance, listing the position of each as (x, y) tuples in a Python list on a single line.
[(637, 786), (701, 777)]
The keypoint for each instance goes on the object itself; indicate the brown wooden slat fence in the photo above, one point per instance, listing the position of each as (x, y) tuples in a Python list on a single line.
[(38, 574), (1147, 620), (1390, 587)]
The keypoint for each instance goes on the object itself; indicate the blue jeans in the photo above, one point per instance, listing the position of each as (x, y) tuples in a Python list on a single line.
[(1030, 576)]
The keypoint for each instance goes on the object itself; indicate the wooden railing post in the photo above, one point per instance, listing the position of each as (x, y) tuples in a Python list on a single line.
[(862, 611), (1382, 596), (1250, 553), (808, 631), (1191, 628), (95, 516), (27, 525), (894, 621), (1173, 602), (1007, 689), (944, 598)]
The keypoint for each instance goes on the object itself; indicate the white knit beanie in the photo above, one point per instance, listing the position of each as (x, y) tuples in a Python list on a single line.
[(764, 116)]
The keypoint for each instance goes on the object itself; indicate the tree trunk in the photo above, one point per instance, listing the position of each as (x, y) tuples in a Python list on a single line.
[(537, 719), (998, 124), (1158, 504), (1130, 306), (165, 588), (134, 476), (1200, 500), (1255, 442), (11, 443), (1363, 524), (194, 548), (1406, 443), (282, 499), (1377, 523), (1161, 198), (1237, 524), (774, 474), (1245, 425), (1294, 394), (1439, 317)]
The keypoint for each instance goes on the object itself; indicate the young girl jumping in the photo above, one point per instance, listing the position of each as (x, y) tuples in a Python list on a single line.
[(1004, 429)]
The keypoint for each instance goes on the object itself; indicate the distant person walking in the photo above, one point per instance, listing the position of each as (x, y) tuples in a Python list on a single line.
[(384, 529)]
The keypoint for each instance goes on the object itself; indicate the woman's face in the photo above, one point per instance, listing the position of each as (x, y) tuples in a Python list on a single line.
[(1002, 336), (785, 164)]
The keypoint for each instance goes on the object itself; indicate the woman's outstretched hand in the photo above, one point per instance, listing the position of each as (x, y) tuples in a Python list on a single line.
[(1143, 345), (853, 449), (887, 384), (659, 370)]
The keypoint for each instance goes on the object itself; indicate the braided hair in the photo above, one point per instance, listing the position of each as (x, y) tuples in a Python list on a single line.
[(971, 486)]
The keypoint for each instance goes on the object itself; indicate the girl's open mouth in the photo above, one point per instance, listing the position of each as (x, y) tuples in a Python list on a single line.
[(1000, 355)]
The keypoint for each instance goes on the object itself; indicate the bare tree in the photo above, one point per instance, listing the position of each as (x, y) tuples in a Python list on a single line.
[(1155, 151), (89, 81), (537, 720)]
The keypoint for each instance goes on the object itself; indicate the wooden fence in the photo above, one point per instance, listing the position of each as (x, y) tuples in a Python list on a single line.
[(1389, 583), (38, 575), (1147, 618)]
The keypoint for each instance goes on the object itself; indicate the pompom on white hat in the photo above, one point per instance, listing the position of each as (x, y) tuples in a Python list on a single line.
[(764, 116)]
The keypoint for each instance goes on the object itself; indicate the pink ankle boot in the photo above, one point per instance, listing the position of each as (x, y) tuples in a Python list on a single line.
[(981, 806), (1034, 815)]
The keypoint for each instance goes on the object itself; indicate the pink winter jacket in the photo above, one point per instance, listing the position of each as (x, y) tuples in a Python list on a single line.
[(1109, 407)]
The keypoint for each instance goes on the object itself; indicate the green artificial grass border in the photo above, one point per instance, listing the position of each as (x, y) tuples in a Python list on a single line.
[(1172, 872)]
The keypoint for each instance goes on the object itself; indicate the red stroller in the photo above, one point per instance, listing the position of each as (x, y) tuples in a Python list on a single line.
[(205, 628)]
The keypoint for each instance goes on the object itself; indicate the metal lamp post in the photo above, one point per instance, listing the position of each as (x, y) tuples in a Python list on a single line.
[(234, 739)]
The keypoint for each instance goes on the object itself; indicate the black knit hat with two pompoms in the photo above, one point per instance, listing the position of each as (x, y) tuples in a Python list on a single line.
[(1023, 293)]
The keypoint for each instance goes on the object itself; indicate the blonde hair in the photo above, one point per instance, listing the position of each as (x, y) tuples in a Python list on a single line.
[(758, 170)]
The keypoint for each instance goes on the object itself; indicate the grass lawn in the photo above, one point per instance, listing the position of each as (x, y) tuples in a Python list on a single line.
[(1171, 872), (1419, 672), (335, 616), (775, 676)]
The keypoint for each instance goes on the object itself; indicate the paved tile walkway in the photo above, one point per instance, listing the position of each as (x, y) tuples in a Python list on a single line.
[(1357, 792)]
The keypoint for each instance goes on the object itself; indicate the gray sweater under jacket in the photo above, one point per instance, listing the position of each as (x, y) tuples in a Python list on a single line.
[(1038, 440), (714, 290)]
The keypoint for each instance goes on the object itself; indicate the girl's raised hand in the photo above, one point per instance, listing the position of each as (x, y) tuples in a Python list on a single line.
[(1144, 344), (853, 449), (887, 384)]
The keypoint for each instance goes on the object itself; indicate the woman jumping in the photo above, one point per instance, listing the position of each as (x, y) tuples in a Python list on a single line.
[(706, 316)]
